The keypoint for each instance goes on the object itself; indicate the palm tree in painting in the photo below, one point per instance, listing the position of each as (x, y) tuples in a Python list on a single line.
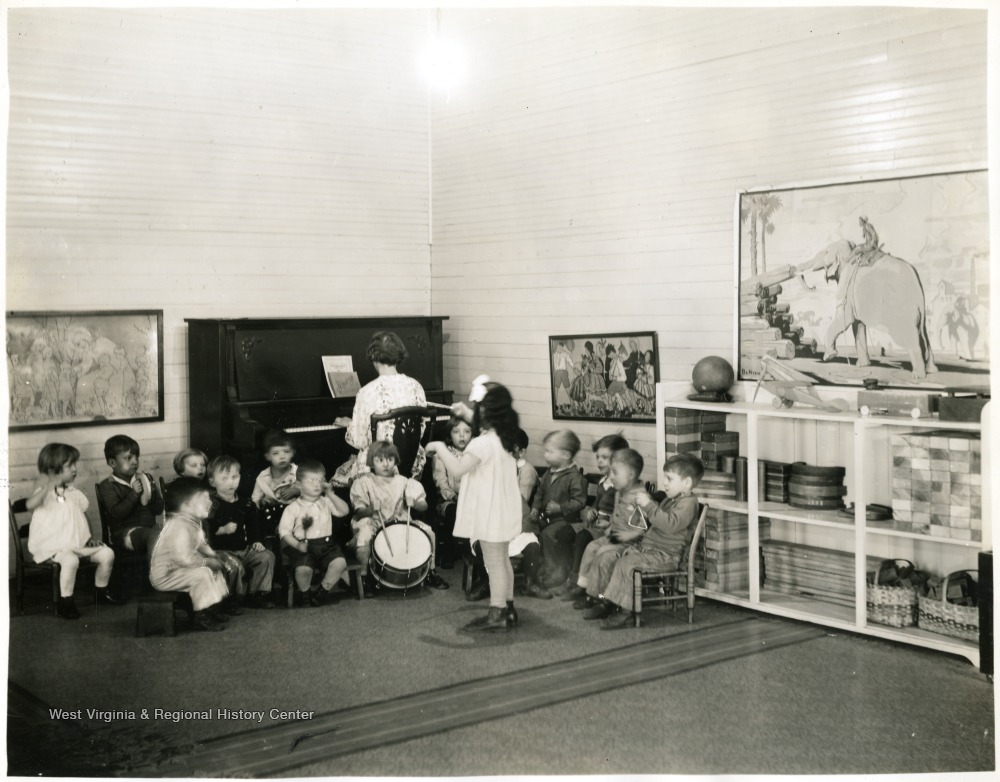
[(758, 208)]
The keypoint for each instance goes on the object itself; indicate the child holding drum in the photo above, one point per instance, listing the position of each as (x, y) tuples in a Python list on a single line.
[(381, 497)]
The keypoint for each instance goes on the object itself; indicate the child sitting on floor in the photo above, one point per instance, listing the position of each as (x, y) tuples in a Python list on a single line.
[(627, 525), (382, 496), (182, 559), (670, 530), (234, 531), (307, 529), (59, 530)]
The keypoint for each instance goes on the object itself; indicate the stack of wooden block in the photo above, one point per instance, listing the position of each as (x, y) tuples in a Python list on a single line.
[(776, 477), (937, 484), (716, 446), (727, 549), (684, 429), (716, 484), (797, 569)]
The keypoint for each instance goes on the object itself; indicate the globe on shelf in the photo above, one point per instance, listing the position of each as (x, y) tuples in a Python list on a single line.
[(712, 377)]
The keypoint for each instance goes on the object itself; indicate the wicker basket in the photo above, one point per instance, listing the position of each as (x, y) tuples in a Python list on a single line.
[(938, 615), (891, 604)]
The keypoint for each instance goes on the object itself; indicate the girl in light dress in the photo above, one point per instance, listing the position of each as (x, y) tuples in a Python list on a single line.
[(60, 532)]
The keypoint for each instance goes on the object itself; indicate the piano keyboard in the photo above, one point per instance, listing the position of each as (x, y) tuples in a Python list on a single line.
[(322, 428)]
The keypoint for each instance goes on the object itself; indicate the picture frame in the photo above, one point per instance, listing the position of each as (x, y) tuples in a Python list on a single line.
[(604, 377), (69, 369), (883, 280)]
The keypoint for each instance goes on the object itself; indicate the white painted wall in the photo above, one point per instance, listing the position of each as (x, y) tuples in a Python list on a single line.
[(585, 177), (211, 163), (275, 163)]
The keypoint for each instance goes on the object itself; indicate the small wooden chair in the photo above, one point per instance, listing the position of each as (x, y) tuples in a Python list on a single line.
[(155, 610), (411, 428), (353, 573), (25, 565), (662, 586)]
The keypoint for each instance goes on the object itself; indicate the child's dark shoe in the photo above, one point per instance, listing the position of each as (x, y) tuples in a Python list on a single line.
[(320, 596), (479, 591), (204, 621), (617, 620), (532, 589), (600, 611), (434, 581), (231, 607), (105, 598), (496, 619), (511, 613), (66, 608), (586, 601), (574, 594)]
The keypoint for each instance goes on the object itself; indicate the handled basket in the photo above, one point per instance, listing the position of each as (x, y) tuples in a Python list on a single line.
[(938, 615), (892, 604)]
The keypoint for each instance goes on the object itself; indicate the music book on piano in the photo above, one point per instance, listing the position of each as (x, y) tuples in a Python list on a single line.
[(341, 378)]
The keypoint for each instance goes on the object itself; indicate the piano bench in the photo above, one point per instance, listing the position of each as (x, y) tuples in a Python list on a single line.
[(353, 573), (154, 612)]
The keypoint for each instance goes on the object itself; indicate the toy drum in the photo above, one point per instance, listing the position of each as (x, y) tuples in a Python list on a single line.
[(401, 555)]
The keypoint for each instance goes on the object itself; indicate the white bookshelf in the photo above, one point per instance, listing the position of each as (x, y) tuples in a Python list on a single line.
[(861, 445)]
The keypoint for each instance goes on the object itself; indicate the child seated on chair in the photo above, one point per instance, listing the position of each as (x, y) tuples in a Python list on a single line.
[(459, 434), (670, 528), (130, 497), (183, 561), (561, 495), (383, 495), (277, 485), (307, 529), (233, 531), (626, 526), (60, 532), (594, 519)]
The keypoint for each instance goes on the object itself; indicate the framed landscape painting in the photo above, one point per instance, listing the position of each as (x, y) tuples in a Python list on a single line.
[(84, 368), (885, 280), (604, 377)]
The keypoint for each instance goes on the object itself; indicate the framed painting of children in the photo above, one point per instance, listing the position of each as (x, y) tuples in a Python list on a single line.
[(604, 377), (84, 368), (877, 281)]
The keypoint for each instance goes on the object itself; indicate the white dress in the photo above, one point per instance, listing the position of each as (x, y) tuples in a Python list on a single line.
[(489, 501), (59, 526)]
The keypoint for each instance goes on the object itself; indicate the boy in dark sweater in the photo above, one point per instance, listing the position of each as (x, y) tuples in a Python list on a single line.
[(561, 495), (130, 497), (235, 531)]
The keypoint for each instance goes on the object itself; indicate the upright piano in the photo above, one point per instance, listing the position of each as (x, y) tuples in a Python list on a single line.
[(249, 375)]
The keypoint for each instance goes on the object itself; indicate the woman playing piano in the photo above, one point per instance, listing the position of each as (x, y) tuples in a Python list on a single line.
[(391, 389)]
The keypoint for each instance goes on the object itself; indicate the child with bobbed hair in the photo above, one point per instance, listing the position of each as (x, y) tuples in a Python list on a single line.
[(457, 436), (561, 495), (191, 462), (59, 530), (382, 496)]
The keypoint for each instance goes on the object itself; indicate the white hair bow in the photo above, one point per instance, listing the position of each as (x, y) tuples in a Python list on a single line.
[(479, 388)]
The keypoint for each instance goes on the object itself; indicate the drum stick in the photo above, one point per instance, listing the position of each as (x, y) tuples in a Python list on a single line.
[(388, 544), (438, 404)]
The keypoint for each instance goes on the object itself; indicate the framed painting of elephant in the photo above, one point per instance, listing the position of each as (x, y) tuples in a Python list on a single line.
[(885, 279)]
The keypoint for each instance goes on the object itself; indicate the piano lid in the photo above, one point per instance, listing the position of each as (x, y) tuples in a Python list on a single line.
[(278, 362)]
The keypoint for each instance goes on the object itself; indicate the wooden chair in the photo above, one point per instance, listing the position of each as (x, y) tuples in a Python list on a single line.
[(411, 429), (25, 566), (663, 586), (353, 573)]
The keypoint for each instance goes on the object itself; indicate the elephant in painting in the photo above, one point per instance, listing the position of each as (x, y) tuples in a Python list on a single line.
[(884, 293)]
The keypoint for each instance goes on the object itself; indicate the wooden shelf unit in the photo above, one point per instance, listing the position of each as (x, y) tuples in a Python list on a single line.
[(862, 445)]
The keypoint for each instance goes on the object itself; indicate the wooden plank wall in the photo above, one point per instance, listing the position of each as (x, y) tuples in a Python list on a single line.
[(586, 175), (212, 163)]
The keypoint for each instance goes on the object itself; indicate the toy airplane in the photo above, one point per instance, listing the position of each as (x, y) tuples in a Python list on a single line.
[(790, 386)]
